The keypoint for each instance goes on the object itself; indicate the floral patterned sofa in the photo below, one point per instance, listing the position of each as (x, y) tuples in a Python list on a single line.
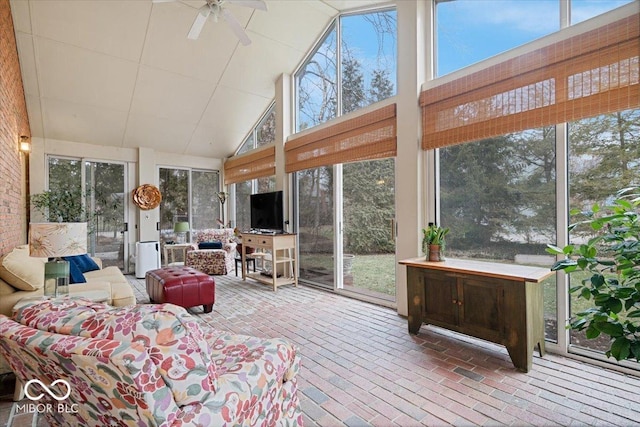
[(213, 261), (148, 365)]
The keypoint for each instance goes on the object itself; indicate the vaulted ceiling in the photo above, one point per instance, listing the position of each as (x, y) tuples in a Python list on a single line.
[(122, 73)]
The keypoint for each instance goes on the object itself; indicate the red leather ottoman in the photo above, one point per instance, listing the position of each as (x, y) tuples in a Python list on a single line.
[(183, 286)]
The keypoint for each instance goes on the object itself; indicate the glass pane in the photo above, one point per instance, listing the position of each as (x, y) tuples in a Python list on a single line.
[(604, 157), (581, 10), (498, 198), (247, 145), (316, 85), (266, 129), (316, 228), (369, 261), (205, 207), (105, 197), (470, 31), (174, 207), (369, 58), (65, 175), (243, 205)]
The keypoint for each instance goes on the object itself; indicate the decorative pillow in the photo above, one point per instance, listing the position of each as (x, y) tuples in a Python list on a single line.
[(216, 244), (21, 270), (173, 338), (75, 274), (84, 262)]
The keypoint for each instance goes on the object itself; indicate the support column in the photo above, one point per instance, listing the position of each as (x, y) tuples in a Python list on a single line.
[(410, 177), (147, 174), (283, 130)]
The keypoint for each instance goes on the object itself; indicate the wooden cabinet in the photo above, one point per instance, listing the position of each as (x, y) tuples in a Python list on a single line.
[(501, 303), (278, 250)]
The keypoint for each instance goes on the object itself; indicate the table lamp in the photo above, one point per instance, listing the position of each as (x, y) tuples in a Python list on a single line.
[(181, 229), (56, 240)]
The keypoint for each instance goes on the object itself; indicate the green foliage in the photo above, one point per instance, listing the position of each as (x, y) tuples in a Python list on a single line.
[(60, 205), (612, 258), (433, 235)]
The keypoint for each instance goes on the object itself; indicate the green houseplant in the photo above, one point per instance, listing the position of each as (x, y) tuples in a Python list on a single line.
[(612, 258), (433, 239)]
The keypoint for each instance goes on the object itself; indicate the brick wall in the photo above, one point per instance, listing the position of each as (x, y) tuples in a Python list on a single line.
[(13, 123)]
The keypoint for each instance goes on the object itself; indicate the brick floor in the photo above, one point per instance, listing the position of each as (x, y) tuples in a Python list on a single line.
[(360, 367)]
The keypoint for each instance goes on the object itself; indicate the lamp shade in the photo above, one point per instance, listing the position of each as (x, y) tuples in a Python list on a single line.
[(57, 239), (181, 227)]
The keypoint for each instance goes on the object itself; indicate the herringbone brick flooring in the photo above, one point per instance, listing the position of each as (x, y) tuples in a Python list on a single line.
[(360, 367)]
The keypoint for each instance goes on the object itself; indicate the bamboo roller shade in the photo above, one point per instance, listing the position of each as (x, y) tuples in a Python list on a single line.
[(366, 137), (584, 76), (258, 163)]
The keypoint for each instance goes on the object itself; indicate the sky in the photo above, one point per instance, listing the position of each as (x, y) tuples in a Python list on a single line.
[(469, 31)]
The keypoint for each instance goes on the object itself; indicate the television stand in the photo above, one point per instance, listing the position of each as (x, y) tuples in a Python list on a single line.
[(282, 249)]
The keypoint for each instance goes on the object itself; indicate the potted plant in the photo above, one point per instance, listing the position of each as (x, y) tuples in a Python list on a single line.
[(612, 258), (433, 242)]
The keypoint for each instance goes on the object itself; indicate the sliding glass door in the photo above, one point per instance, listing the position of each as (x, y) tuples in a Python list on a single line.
[(100, 188)]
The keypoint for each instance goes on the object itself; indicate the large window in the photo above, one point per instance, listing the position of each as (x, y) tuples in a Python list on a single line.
[(498, 198), (604, 157), (470, 31), (263, 133), (362, 73), (188, 195)]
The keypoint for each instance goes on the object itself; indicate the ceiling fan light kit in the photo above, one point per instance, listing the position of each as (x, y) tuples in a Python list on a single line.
[(216, 8)]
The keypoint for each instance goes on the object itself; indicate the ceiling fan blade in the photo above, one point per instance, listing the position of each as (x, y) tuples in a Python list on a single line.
[(256, 4), (198, 23), (236, 27)]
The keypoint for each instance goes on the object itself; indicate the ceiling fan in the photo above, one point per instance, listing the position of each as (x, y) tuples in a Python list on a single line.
[(217, 9)]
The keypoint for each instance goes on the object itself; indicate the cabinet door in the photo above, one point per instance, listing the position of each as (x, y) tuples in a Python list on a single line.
[(481, 305), (440, 299)]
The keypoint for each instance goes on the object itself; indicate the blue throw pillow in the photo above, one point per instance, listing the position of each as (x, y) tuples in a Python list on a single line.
[(83, 262), (216, 244), (75, 275)]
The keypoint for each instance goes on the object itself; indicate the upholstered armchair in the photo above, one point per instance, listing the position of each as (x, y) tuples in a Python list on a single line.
[(213, 251), (147, 365)]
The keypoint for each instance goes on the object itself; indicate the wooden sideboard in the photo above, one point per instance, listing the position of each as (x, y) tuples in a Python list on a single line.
[(277, 249), (501, 303)]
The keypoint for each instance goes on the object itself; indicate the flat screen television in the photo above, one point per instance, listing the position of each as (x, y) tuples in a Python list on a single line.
[(267, 212)]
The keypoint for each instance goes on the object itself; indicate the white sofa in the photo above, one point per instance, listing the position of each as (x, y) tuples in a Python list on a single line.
[(23, 276)]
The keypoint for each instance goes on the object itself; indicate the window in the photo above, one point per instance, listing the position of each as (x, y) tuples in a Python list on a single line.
[(316, 96), (263, 133), (604, 157), (498, 198), (363, 73), (188, 195), (581, 10), (470, 31)]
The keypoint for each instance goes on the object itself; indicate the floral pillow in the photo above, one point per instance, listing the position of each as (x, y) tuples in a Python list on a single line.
[(173, 338)]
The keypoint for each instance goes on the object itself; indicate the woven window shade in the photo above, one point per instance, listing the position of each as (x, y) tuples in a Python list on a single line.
[(366, 137), (583, 76), (257, 163)]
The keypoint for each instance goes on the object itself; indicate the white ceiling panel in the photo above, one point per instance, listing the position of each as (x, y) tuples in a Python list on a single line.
[(231, 107), (28, 64), (84, 77), (256, 67), (296, 24), (168, 48), (157, 133), (111, 27), (167, 95), (123, 73), (21, 16), (35, 114), (214, 141), (83, 123)]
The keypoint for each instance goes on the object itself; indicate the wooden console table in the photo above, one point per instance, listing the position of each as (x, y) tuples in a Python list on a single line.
[(282, 251), (501, 303)]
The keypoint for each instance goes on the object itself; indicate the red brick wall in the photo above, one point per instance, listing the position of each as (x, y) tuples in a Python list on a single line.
[(13, 123)]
